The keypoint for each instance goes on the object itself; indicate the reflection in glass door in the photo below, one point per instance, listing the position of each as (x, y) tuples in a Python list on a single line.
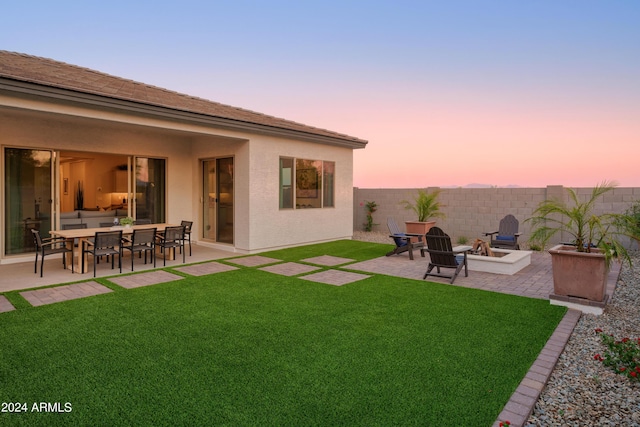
[(218, 200), (150, 190), (28, 200)]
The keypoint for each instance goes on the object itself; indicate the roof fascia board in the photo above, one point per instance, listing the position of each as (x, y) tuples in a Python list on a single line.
[(168, 113)]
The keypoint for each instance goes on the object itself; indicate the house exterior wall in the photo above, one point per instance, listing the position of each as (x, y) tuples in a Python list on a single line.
[(259, 224), (470, 212), (271, 227)]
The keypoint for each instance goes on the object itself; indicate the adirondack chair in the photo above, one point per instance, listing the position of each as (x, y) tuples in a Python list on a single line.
[(404, 241), (443, 255), (507, 235)]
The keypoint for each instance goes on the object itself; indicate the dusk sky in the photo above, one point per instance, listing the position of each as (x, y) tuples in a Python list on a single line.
[(448, 93)]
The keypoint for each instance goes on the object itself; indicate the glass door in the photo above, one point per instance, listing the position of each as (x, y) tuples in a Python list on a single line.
[(150, 190), (28, 197), (218, 200)]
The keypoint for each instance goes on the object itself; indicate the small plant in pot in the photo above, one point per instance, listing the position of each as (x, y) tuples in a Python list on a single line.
[(426, 207), (580, 266), (126, 221)]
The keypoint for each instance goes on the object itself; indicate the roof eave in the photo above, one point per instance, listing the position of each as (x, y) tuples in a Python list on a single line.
[(18, 86)]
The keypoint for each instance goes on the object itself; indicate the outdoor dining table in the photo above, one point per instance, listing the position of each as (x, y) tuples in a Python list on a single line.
[(82, 234)]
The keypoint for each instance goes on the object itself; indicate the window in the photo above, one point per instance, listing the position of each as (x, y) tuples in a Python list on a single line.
[(312, 180)]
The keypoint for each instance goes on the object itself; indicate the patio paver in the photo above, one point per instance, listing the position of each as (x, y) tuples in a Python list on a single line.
[(253, 261), (145, 279), (328, 260), (534, 281), (205, 268), (64, 293), (335, 277), (289, 269), (5, 305)]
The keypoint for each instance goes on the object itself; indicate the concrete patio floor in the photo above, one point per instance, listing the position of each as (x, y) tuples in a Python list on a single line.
[(20, 276)]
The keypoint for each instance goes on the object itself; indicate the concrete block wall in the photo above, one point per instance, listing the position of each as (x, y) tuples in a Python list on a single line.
[(470, 212)]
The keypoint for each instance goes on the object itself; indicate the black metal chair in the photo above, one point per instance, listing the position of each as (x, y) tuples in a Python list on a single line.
[(172, 238), (74, 227), (49, 246), (143, 221), (187, 232), (142, 240), (104, 243)]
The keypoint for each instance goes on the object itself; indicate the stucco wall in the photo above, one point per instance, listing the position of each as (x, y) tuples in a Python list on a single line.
[(472, 211), (259, 223), (272, 227)]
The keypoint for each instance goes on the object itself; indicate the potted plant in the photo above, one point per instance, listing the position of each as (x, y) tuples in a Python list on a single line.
[(426, 206), (126, 222), (370, 207), (581, 265)]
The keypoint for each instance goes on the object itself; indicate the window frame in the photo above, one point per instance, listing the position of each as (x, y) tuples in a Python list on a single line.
[(320, 185)]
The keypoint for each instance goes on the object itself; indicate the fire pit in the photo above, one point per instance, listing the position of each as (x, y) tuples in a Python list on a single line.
[(505, 261)]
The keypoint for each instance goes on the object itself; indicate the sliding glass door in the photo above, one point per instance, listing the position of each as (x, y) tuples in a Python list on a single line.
[(150, 190), (218, 199), (28, 197)]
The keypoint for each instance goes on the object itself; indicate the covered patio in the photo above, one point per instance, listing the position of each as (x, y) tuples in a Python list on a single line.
[(20, 276)]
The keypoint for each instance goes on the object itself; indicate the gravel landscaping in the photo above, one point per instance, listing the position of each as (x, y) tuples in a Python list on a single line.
[(582, 391)]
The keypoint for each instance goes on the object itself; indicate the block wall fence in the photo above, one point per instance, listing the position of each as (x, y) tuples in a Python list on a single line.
[(470, 212)]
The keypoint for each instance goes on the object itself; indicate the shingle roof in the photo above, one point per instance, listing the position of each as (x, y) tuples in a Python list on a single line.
[(47, 72)]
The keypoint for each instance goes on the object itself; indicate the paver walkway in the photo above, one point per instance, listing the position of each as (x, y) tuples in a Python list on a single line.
[(534, 281), (145, 279), (64, 293), (5, 305), (206, 268), (289, 269), (335, 277)]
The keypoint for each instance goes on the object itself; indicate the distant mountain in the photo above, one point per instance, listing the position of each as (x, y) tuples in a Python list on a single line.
[(478, 185)]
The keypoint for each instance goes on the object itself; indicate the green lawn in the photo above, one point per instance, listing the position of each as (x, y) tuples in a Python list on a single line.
[(248, 347)]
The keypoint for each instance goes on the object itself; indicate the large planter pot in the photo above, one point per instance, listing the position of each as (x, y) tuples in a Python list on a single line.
[(419, 227), (579, 274)]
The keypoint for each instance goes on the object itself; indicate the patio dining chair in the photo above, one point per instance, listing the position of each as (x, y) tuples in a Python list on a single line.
[(74, 227), (142, 240), (172, 238), (187, 232), (443, 256), (104, 243), (49, 246)]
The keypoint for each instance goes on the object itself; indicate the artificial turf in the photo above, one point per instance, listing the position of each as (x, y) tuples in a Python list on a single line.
[(247, 347)]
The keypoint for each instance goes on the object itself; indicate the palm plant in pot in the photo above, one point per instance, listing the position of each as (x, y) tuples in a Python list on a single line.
[(426, 207), (580, 266)]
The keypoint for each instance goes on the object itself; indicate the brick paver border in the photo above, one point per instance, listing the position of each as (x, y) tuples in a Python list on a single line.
[(523, 400)]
